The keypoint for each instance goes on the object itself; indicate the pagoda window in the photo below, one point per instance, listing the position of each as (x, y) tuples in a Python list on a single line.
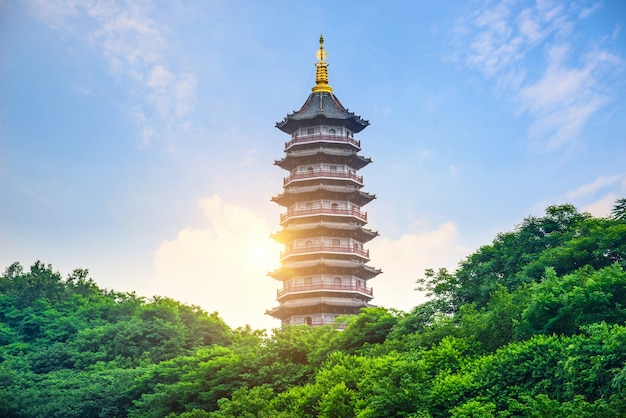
[(332, 131), (308, 244), (336, 242), (309, 170), (334, 206), (308, 281), (310, 131), (308, 320), (337, 281), (333, 168)]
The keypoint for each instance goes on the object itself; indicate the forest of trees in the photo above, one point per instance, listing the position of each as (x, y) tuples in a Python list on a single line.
[(531, 325)]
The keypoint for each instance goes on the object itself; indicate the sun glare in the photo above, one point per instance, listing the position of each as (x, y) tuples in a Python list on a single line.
[(262, 255)]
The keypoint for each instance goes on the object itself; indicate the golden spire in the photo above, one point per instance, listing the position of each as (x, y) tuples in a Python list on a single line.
[(321, 74)]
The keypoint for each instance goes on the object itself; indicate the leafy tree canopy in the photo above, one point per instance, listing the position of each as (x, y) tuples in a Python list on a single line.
[(533, 324)]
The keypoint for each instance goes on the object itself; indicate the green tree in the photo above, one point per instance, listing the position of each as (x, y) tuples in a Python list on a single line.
[(619, 209)]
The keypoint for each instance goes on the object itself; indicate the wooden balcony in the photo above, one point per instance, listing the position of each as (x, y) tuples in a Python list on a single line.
[(333, 174), (325, 286), (324, 211), (322, 248), (307, 139)]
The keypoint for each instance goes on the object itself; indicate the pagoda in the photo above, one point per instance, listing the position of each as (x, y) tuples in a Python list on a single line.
[(323, 268)]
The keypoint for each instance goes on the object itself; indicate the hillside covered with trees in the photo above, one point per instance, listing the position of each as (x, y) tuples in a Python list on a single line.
[(531, 325)]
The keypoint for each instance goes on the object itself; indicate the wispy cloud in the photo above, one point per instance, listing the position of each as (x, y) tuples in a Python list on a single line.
[(135, 44), (594, 186), (596, 196), (562, 89)]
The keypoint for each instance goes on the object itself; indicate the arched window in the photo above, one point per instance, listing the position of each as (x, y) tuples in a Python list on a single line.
[(332, 131), (308, 244), (334, 206), (308, 320), (337, 281)]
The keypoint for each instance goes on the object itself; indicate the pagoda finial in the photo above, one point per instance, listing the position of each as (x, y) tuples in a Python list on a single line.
[(321, 74)]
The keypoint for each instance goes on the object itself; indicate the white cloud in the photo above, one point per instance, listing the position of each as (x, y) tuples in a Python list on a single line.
[(602, 207), (135, 45), (562, 99), (498, 40), (160, 77), (404, 260), (586, 12), (222, 265), (594, 186), (596, 197)]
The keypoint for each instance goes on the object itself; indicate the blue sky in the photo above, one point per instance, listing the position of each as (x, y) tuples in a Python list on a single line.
[(137, 139)]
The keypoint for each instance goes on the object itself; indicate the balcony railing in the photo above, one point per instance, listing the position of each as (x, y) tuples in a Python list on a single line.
[(323, 173), (304, 139), (343, 249), (325, 286), (324, 211)]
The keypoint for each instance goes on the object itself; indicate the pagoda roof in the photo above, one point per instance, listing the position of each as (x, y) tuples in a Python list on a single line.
[(345, 156), (317, 305), (322, 108), (293, 194), (307, 267), (293, 231)]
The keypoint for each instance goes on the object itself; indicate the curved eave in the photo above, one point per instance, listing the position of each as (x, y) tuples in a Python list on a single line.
[(285, 311), (321, 228), (291, 161), (322, 108), (288, 296), (293, 194), (323, 266)]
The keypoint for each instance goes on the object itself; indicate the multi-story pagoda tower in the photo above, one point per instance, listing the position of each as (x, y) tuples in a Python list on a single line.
[(323, 267)]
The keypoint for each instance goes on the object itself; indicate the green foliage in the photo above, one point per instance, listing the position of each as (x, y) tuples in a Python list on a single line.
[(562, 304), (563, 239), (246, 403), (370, 327), (530, 325), (619, 210), (68, 348)]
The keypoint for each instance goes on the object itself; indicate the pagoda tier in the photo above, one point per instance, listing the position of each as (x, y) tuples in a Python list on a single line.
[(320, 305), (356, 268), (324, 228), (323, 266), (323, 289), (317, 311), (323, 191), (323, 212), (331, 155)]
